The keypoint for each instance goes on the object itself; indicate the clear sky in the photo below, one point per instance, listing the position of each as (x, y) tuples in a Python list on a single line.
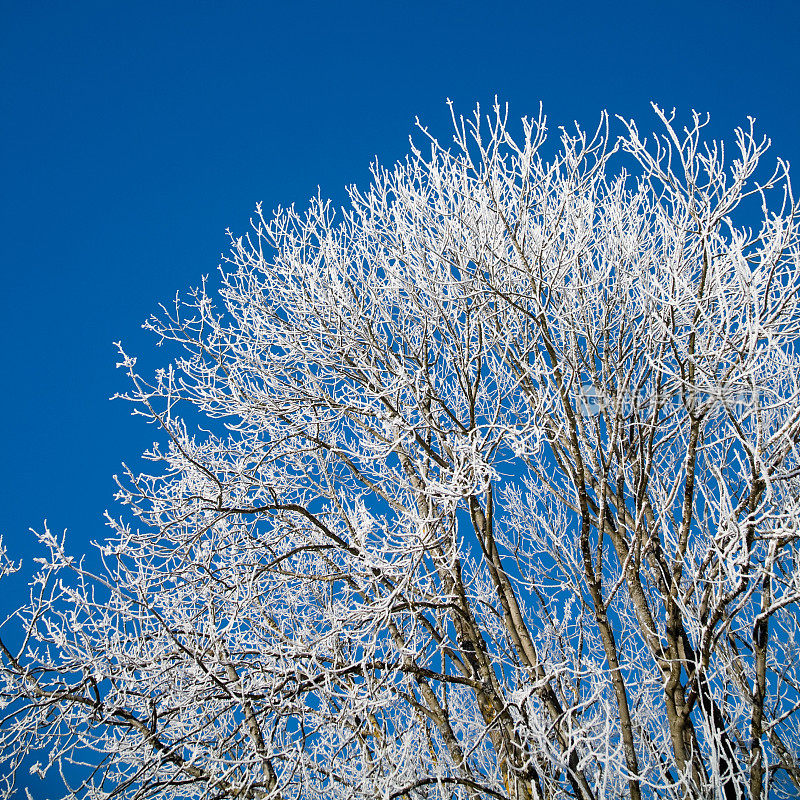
[(133, 134)]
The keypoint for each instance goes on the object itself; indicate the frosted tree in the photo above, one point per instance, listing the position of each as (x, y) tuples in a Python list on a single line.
[(485, 487)]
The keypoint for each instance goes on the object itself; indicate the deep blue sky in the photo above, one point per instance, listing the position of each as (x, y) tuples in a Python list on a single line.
[(132, 137), (133, 134)]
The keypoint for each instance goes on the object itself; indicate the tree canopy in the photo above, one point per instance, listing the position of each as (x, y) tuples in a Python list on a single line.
[(484, 487)]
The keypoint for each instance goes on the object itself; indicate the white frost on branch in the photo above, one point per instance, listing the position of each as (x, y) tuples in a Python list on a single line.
[(487, 487)]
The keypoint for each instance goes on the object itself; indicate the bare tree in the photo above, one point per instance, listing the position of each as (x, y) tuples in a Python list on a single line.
[(487, 488)]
